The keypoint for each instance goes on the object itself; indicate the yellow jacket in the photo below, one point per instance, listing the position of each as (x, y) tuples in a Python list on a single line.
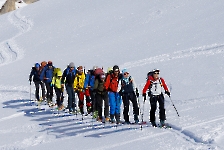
[(56, 80), (79, 82)]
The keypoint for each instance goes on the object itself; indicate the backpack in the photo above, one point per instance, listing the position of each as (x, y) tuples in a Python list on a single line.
[(98, 72), (150, 73), (55, 72)]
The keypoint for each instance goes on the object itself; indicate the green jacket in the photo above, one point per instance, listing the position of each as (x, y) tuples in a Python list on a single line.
[(99, 86)]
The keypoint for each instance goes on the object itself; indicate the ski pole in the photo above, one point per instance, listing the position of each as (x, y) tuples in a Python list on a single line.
[(30, 91), (137, 94), (143, 110), (174, 106)]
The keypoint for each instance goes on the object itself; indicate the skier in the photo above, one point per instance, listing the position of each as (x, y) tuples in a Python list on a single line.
[(35, 73), (67, 81), (101, 94), (88, 85), (56, 83), (128, 90), (79, 89), (155, 84), (111, 85), (46, 76)]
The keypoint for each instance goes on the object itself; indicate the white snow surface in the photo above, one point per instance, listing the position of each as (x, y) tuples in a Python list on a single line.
[(184, 39)]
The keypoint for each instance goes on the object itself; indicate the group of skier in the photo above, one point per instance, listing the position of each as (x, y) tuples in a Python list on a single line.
[(97, 87)]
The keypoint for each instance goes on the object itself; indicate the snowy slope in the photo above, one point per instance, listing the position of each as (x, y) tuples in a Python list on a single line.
[(182, 38)]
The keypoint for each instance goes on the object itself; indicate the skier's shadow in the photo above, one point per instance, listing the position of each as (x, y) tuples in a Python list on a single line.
[(61, 124)]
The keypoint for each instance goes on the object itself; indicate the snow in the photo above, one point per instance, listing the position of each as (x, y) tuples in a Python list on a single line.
[(184, 39)]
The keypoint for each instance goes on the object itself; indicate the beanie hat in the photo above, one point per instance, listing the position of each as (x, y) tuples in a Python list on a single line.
[(115, 68), (49, 63), (37, 65), (124, 70), (71, 65)]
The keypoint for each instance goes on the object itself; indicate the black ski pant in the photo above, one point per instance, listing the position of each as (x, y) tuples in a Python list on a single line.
[(153, 103), (93, 100), (39, 84), (99, 98), (59, 95), (49, 91), (127, 97)]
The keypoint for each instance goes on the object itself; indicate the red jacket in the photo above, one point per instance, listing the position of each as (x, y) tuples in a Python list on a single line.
[(151, 79), (111, 83)]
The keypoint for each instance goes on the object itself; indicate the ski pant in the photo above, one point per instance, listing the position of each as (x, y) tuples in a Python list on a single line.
[(99, 98), (49, 91), (59, 95), (81, 95), (71, 98), (115, 103), (93, 100), (39, 84), (132, 97), (153, 103)]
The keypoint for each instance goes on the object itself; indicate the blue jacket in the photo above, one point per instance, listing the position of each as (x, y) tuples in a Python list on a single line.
[(36, 74), (47, 74), (68, 77), (89, 80)]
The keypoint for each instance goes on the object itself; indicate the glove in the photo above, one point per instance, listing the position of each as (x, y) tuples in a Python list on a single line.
[(62, 86), (52, 85), (144, 95), (30, 79), (167, 93)]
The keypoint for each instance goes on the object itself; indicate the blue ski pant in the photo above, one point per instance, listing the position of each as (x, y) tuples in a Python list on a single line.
[(115, 102)]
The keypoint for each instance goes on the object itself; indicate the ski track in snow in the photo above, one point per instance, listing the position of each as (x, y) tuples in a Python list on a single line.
[(192, 52), (9, 50)]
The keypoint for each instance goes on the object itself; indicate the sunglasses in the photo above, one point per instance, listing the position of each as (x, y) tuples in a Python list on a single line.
[(156, 72), (80, 70), (126, 73)]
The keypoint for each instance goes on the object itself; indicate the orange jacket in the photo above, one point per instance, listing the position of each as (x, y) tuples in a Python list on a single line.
[(111, 83)]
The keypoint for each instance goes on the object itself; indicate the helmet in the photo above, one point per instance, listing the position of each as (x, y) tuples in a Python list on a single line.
[(37, 65), (115, 68), (109, 69)]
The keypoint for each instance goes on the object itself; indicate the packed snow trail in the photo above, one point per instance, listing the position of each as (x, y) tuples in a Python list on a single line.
[(207, 50), (10, 51)]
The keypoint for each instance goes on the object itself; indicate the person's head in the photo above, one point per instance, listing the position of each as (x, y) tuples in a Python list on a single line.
[(50, 64), (116, 70), (125, 73), (156, 74), (71, 66), (102, 77), (95, 67), (37, 66), (59, 73), (80, 70)]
